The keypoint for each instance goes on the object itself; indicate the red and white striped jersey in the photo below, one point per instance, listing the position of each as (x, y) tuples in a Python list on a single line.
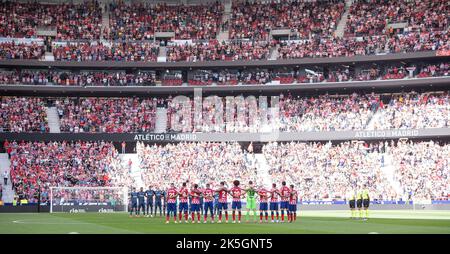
[(285, 193), (263, 195), (172, 195), (184, 195), (293, 197), (223, 195), (195, 194), (273, 195), (236, 193), (209, 195)]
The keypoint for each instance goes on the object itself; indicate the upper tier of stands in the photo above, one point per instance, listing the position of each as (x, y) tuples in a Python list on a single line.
[(294, 28)]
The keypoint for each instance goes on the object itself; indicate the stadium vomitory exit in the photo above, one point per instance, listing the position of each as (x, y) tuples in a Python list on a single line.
[(225, 117)]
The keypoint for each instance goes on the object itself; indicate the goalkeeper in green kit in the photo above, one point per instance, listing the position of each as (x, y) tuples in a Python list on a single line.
[(251, 202)]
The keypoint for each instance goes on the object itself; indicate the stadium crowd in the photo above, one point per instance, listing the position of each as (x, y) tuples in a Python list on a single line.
[(140, 21), (39, 165), (72, 21), (18, 50), (372, 17), (415, 111), (223, 77), (83, 78), (325, 171), (422, 168), (116, 115), (105, 51), (320, 171), (22, 114), (201, 163), (255, 20), (369, 45), (327, 113), (224, 51), (131, 33), (291, 113)]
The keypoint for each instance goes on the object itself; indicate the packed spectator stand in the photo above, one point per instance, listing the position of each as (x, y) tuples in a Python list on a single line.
[(255, 20), (295, 113), (131, 35), (137, 32), (140, 21), (201, 163), (107, 115), (36, 166), (23, 115), (326, 171)]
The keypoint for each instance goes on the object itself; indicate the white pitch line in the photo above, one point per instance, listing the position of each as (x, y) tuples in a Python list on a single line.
[(51, 223)]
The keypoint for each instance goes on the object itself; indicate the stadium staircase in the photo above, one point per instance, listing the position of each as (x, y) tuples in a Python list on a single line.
[(371, 124), (8, 193), (274, 53), (340, 29), (388, 171), (105, 18), (161, 120), (48, 56), (135, 170), (162, 54), (53, 120), (225, 34), (263, 170)]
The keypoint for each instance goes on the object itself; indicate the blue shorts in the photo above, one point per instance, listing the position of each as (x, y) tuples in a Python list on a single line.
[(292, 208), (263, 206), (222, 206), (195, 207), (134, 205), (183, 207), (171, 207), (208, 205), (284, 205), (158, 203), (273, 206), (236, 205)]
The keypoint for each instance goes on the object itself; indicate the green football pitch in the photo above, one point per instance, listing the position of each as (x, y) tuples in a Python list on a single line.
[(308, 222)]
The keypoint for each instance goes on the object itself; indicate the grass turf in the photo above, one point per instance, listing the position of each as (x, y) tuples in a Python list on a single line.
[(309, 222)]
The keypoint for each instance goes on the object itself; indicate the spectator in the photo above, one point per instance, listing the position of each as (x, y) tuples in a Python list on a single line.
[(123, 147)]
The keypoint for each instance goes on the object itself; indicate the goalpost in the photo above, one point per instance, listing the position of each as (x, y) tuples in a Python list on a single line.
[(88, 199)]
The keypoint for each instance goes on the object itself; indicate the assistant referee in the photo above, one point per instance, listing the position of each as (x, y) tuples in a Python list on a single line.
[(366, 201), (351, 197)]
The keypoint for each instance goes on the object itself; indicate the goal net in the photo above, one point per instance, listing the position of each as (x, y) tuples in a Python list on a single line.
[(88, 199)]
